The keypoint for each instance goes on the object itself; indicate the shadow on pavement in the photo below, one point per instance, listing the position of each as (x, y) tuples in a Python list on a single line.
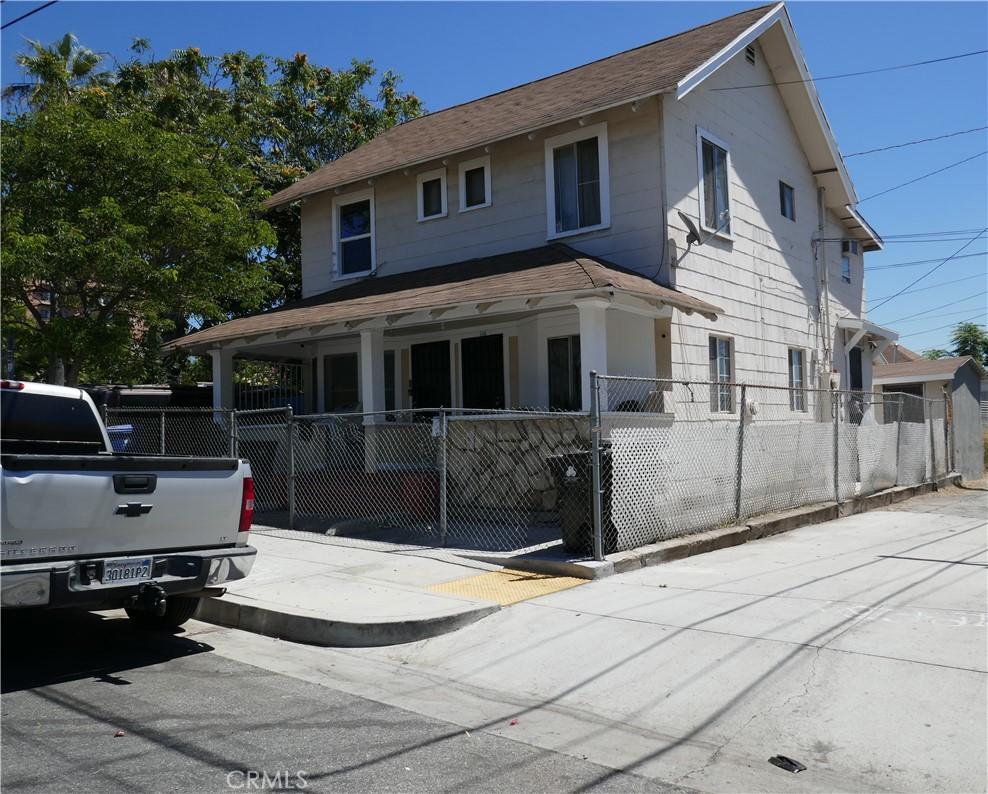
[(42, 648)]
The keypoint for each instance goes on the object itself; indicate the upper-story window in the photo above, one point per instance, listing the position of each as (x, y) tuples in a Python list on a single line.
[(577, 182), (714, 162), (432, 194), (475, 184), (353, 234), (848, 248), (787, 201)]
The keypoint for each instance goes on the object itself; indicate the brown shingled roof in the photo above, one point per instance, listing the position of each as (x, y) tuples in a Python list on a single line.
[(924, 368), (537, 271), (634, 74)]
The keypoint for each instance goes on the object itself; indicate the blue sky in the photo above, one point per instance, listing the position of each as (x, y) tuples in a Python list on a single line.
[(453, 52)]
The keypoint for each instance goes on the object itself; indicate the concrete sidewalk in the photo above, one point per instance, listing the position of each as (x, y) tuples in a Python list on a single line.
[(325, 594)]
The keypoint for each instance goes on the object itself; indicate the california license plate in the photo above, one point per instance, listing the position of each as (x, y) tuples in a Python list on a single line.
[(137, 569)]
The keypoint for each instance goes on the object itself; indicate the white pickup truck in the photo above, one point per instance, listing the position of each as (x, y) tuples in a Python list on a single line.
[(83, 526)]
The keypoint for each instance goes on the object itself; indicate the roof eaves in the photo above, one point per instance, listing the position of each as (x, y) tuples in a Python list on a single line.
[(779, 14), (274, 201)]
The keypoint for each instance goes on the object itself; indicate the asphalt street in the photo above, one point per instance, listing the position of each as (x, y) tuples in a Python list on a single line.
[(859, 647), (195, 721)]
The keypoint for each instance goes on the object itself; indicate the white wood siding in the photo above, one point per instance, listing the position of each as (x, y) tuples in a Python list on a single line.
[(516, 220), (764, 278)]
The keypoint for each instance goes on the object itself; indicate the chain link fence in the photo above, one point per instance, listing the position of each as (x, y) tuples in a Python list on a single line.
[(678, 457), (652, 460)]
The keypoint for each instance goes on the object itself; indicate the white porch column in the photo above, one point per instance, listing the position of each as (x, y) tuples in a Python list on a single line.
[(593, 342), (372, 370), (222, 378)]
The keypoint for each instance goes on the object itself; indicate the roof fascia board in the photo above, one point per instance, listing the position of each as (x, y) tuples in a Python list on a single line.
[(893, 380), (712, 64), (866, 227), (780, 15)]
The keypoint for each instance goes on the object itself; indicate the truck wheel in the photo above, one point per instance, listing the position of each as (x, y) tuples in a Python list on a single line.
[(178, 610)]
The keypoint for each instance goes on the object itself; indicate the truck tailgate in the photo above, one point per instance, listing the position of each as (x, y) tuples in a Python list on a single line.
[(67, 506)]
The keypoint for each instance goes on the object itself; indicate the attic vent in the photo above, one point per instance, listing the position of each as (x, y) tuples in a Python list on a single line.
[(749, 54)]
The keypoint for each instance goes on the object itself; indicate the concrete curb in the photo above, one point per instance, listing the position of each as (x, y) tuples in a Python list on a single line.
[(701, 542), (272, 620), (533, 563)]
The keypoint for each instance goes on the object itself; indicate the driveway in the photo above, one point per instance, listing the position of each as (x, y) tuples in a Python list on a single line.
[(857, 647)]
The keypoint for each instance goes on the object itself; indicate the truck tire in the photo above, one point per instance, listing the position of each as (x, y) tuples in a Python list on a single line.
[(178, 610)]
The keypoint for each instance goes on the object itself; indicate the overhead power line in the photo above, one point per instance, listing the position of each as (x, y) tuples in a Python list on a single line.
[(937, 308), (948, 325), (931, 270), (924, 176), (929, 234), (934, 286), (6, 25), (913, 143), (920, 262), (857, 74)]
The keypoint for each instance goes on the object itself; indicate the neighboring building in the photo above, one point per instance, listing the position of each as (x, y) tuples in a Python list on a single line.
[(494, 253), (896, 354), (961, 377)]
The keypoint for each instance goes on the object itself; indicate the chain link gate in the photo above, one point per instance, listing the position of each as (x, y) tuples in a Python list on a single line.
[(653, 459)]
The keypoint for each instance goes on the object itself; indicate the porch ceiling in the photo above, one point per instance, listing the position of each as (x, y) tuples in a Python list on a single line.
[(492, 285)]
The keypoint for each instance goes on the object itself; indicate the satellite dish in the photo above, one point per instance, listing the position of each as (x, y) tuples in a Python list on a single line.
[(694, 235)]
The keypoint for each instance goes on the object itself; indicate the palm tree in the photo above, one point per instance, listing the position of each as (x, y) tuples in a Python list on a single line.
[(55, 71)]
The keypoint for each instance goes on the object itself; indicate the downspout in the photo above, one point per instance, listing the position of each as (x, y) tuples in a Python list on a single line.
[(820, 259)]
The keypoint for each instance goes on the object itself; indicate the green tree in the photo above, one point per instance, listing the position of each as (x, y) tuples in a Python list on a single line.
[(149, 165), (54, 72), (970, 339), (128, 225), (936, 352)]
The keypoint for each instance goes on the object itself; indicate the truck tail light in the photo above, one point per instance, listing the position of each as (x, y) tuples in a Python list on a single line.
[(14, 385), (247, 505)]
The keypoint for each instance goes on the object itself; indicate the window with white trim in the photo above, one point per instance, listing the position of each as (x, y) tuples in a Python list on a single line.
[(432, 194), (475, 184), (577, 177), (721, 374), (847, 249), (797, 379), (353, 234), (714, 164)]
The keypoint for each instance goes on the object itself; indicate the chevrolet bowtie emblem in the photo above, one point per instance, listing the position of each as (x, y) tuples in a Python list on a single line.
[(133, 509)]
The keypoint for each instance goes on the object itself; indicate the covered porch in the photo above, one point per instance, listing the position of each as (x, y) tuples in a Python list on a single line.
[(520, 330)]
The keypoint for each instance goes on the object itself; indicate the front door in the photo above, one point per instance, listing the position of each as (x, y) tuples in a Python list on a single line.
[(483, 371), (430, 375)]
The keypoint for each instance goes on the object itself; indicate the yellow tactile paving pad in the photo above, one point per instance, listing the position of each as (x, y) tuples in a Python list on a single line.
[(507, 586)]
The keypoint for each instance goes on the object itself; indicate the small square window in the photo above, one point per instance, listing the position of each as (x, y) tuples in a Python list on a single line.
[(432, 195), (787, 201), (475, 184)]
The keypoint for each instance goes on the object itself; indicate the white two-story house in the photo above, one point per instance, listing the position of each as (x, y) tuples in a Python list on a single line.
[(493, 254)]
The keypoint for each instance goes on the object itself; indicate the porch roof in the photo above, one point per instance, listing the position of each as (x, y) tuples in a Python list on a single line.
[(532, 273)]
